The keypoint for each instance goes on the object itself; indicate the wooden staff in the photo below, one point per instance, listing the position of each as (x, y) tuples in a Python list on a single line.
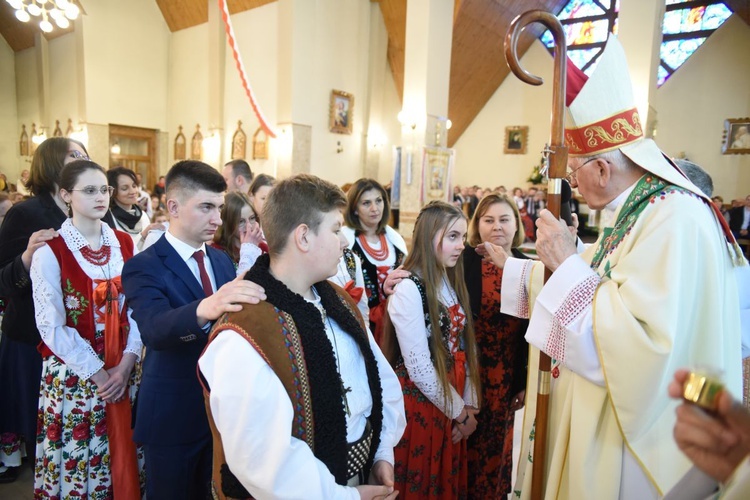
[(556, 157)]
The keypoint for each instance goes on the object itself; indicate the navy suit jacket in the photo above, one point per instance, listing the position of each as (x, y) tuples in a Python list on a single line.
[(164, 295)]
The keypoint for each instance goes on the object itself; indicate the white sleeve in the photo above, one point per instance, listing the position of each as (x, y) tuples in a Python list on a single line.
[(249, 253), (562, 323), (406, 313), (255, 426), (470, 392), (49, 311), (134, 343), (360, 282), (742, 275), (515, 287), (394, 414)]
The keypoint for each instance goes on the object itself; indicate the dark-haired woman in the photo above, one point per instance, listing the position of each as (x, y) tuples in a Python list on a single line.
[(125, 213), (28, 225), (239, 235), (380, 248), (90, 348)]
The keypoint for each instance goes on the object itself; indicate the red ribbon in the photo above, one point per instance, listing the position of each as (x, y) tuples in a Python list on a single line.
[(241, 69), (354, 291), (123, 463)]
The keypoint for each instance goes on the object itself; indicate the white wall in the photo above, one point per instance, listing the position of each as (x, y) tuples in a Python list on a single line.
[(126, 63), (479, 151), (10, 131), (256, 35), (693, 104)]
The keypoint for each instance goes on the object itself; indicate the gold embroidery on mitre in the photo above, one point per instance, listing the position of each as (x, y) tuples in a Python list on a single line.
[(611, 133)]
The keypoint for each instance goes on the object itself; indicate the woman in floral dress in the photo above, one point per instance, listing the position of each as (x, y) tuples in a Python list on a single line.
[(429, 338), (90, 347), (503, 352)]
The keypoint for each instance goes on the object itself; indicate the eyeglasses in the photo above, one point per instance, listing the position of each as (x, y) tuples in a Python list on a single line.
[(92, 190), (573, 177), (78, 155)]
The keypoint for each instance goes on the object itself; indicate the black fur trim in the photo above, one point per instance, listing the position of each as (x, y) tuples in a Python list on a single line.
[(327, 405)]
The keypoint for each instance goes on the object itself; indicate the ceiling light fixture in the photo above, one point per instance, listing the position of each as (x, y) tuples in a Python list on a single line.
[(59, 11)]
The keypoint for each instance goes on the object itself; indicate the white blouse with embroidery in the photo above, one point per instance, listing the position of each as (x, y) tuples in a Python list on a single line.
[(406, 313), (49, 305)]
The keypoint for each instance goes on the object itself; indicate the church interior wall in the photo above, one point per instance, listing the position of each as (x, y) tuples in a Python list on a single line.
[(156, 79), (693, 104)]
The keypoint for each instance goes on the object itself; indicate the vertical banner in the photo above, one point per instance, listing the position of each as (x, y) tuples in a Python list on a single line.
[(396, 182), (437, 174)]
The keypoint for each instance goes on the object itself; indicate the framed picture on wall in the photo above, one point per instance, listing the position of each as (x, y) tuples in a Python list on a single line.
[(516, 138), (736, 136), (340, 114), (437, 173)]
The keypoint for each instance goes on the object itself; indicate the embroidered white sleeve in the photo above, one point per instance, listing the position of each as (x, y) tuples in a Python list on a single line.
[(49, 311), (134, 343), (405, 310), (515, 287), (562, 324), (249, 253), (394, 415)]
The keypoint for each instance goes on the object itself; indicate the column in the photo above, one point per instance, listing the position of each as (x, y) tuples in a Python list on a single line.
[(429, 36)]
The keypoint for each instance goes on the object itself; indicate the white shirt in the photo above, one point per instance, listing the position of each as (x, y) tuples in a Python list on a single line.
[(49, 308), (186, 252), (406, 313), (255, 423)]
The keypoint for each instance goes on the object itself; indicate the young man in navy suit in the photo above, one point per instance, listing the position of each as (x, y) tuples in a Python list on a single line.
[(177, 288)]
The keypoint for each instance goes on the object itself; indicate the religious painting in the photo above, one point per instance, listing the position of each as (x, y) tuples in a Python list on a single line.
[(196, 144), (239, 142), (179, 145), (736, 136), (340, 114), (516, 138), (23, 142), (437, 170), (260, 144)]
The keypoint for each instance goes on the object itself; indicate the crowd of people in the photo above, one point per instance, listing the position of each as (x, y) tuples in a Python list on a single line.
[(236, 336)]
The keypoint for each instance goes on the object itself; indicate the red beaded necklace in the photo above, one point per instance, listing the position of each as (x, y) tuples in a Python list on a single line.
[(96, 257), (379, 255)]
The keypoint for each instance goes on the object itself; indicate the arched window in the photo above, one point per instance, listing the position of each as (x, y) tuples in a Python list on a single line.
[(587, 24), (687, 24)]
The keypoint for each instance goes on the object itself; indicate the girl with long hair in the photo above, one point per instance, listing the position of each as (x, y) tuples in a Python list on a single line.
[(502, 347), (239, 235), (379, 247), (90, 347), (429, 339)]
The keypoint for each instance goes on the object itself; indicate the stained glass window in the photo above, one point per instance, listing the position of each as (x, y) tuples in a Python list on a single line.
[(587, 23), (687, 24)]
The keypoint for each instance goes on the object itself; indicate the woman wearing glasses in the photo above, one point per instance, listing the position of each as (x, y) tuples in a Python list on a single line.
[(90, 346), (125, 213), (239, 235), (28, 226)]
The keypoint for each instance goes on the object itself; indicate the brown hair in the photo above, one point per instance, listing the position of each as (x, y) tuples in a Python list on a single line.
[(159, 213), (231, 214), (300, 199), (48, 162), (436, 218), (72, 171), (352, 200), (482, 208)]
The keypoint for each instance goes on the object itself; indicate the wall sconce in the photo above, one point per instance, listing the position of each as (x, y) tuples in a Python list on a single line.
[(115, 149), (38, 137), (376, 139), (339, 147), (212, 144), (79, 134)]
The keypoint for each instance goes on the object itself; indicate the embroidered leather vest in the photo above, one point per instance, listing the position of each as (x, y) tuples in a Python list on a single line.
[(274, 335)]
